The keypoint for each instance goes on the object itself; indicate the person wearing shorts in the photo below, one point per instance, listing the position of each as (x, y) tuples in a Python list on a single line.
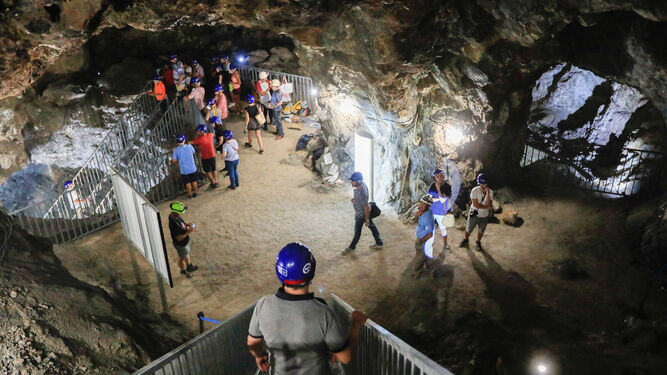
[(205, 142), (180, 236), (251, 124), (481, 203), (440, 191), (184, 155), (424, 242)]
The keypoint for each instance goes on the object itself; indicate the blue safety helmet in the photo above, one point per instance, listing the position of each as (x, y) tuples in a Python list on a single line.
[(201, 128), (481, 179), (251, 99), (214, 120), (218, 66), (232, 66), (224, 57), (173, 56), (214, 58), (180, 138), (68, 184), (195, 62), (194, 80), (436, 171), (295, 265), (227, 134), (156, 78), (218, 88), (356, 176), (211, 101)]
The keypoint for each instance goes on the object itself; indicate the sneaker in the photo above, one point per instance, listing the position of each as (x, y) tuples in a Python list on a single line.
[(231, 187), (447, 249), (479, 246), (194, 195), (463, 243), (377, 246), (186, 273), (261, 151), (248, 145), (346, 251), (279, 137), (215, 185), (191, 267)]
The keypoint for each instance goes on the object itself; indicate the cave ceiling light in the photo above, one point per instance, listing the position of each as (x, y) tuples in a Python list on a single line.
[(454, 135)]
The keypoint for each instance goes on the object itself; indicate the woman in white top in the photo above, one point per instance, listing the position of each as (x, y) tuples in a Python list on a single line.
[(230, 155)]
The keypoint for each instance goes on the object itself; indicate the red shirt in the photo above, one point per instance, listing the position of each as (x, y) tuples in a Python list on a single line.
[(168, 75), (205, 143)]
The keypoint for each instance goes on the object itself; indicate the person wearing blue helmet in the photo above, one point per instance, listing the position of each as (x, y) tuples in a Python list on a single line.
[(424, 243), (300, 331), (184, 155), (205, 140), (252, 125), (362, 212), (197, 70), (230, 155), (481, 198), (195, 103), (74, 199), (440, 190), (178, 72)]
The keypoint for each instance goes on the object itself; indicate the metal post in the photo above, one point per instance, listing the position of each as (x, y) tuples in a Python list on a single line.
[(163, 295), (201, 322), (135, 266)]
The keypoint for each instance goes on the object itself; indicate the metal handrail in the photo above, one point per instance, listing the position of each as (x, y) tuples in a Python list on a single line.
[(380, 349), (222, 350), (303, 86)]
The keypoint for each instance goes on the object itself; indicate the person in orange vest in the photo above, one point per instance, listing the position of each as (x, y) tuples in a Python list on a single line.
[(160, 93)]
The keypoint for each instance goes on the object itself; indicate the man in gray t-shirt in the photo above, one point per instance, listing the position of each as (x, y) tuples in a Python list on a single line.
[(362, 212), (300, 331)]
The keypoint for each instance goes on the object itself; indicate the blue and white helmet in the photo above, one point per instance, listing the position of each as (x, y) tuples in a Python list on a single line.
[(481, 178), (69, 184), (201, 128), (295, 265), (194, 80), (180, 138)]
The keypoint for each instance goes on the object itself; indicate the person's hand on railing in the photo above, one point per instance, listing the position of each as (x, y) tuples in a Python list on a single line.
[(358, 318)]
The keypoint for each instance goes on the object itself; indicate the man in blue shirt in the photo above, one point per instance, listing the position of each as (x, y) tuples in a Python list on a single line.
[(424, 243), (277, 102), (184, 155)]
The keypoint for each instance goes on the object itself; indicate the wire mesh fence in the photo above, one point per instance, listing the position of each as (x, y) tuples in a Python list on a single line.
[(303, 88), (624, 172)]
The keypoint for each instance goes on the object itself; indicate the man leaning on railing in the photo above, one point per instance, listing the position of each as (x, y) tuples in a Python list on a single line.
[(300, 331)]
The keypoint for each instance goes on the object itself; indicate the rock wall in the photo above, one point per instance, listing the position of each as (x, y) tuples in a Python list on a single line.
[(53, 323)]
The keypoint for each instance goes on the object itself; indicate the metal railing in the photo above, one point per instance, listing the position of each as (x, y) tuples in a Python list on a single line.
[(223, 350), (157, 179), (220, 350), (303, 86), (627, 172), (381, 352), (115, 143)]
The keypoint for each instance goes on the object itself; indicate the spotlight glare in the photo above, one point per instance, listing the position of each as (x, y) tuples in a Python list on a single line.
[(454, 136), (542, 368), (240, 59), (347, 106), (314, 91)]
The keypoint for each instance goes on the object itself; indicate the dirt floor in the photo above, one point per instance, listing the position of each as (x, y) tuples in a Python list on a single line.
[(517, 285)]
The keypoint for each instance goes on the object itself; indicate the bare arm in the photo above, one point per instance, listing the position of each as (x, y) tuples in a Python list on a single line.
[(426, 237), (357, 320), (258, 350)]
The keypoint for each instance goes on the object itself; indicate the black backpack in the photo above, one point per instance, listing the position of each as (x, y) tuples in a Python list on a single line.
[(375, 210)]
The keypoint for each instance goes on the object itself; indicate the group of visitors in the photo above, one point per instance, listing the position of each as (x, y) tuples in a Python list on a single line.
[(434, 210)]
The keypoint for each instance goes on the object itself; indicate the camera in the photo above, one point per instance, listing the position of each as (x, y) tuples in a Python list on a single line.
[(473, 213)]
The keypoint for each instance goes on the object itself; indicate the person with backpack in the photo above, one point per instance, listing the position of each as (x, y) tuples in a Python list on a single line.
[(251, 124), (362, 212), (184, 155), (481, 204), (230, 155)]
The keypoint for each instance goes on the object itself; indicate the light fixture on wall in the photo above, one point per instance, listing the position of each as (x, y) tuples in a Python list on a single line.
[(314, 91), (454, 136)]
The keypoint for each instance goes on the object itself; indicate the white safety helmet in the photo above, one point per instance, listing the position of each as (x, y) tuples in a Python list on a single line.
[(426, 199), (263, 75), (275, 83)]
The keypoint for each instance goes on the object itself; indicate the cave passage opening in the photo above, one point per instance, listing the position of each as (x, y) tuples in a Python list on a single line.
[(592, 133)]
